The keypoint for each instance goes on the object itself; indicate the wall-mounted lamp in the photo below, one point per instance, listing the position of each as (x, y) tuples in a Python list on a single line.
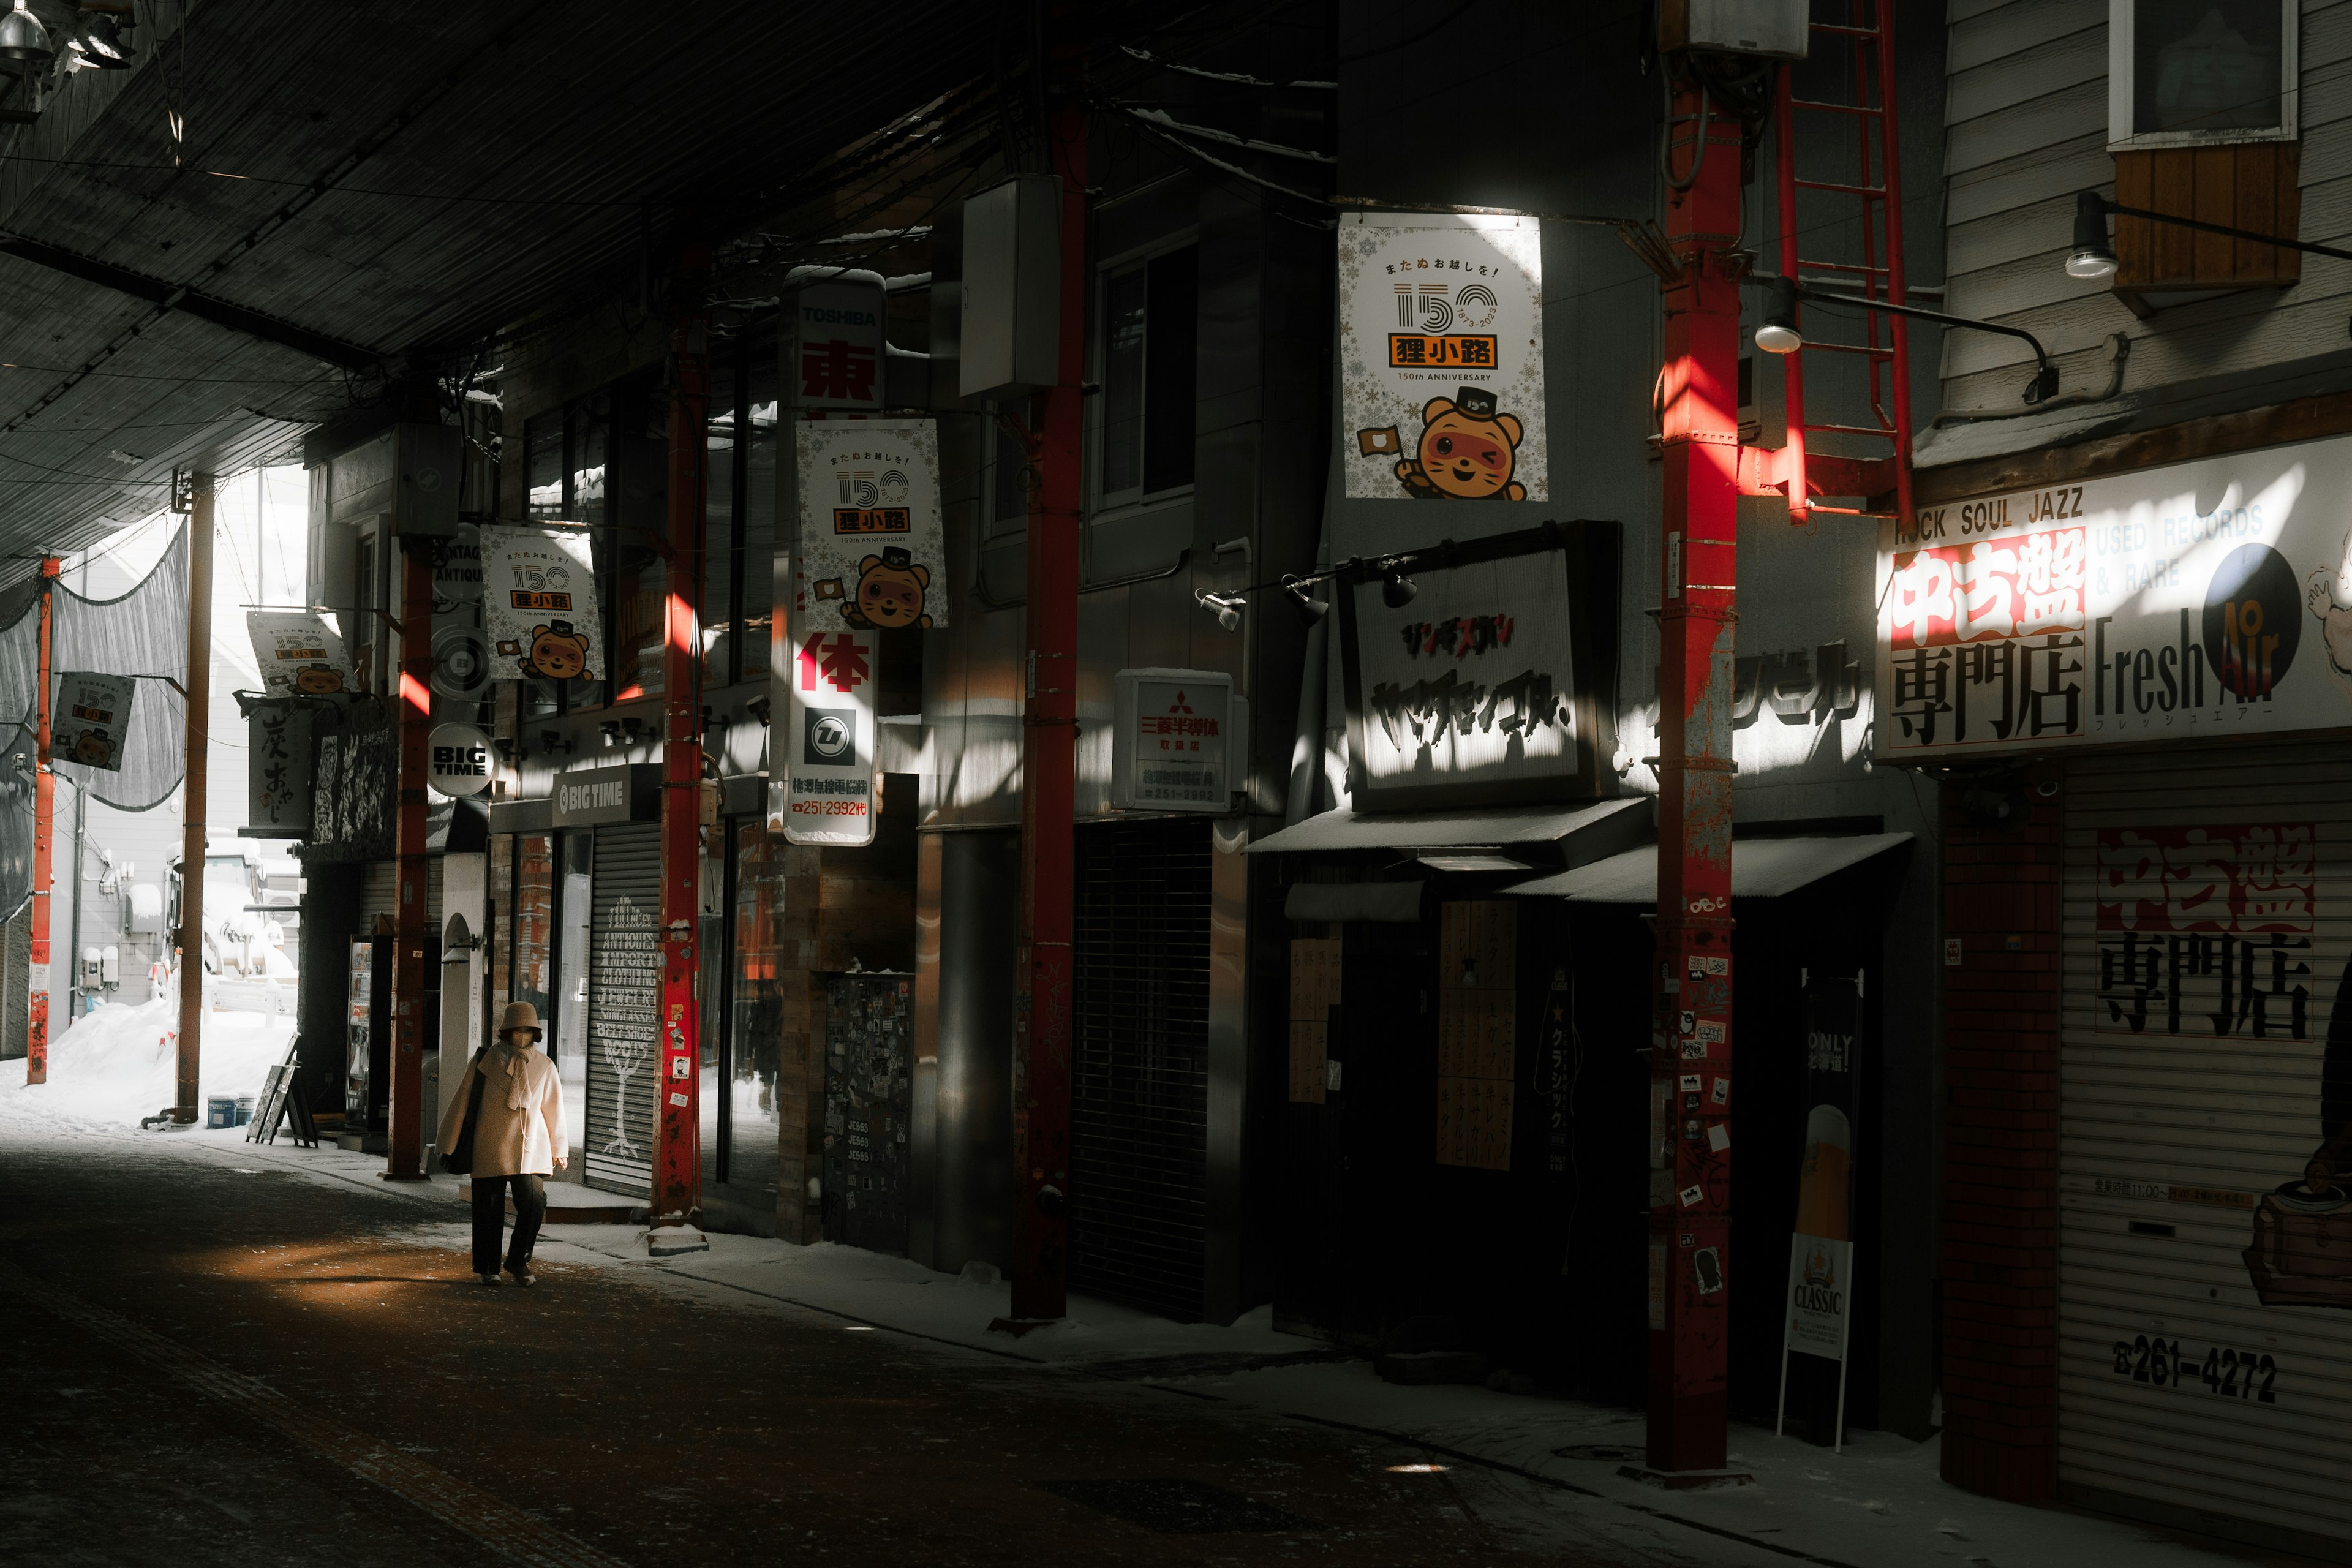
[(1302, 599), (1397, 589), (1779, 333), (1226, 607), (2093, 257)]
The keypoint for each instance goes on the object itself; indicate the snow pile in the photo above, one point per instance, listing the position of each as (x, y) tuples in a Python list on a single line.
[(117, 1064)]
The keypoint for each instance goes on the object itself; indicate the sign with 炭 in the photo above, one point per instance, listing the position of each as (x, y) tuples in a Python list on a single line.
[(2204, 599), (821, 766), (297, 652), (279, 768), (1441, 356), (1173, 731), (457, 760), (92, 718), (833, 347), (873, 551), (1468, 684), (539, 605)]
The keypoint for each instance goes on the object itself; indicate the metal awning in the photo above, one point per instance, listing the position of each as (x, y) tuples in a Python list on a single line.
[(1761, 868), (1463, 828)]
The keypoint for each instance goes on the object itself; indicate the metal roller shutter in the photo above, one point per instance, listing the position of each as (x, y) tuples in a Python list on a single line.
[(1140, 1089), (623, 1006), (379, 894), (2205, 1349)]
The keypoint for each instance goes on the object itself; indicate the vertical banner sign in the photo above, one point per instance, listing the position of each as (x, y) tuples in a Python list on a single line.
[(873, 551), (278, 771), (1820, 1253), (1441, 356), (834, 348), (461, 655), (296, 651), (826, 749), (539, 605), (93, 719)]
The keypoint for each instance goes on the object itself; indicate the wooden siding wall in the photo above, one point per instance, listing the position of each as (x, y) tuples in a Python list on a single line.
[(2026, 128)]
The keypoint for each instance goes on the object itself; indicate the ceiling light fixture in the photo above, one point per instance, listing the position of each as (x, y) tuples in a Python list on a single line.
[(101, 41), (22, 38)]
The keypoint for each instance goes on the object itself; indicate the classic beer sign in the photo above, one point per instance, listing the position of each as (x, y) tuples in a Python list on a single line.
[(2209, 598)]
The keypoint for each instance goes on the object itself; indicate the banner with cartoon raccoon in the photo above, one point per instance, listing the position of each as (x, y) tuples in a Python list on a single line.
[(93, 719), (873, 552), (299, 654), (1441, 356), (539, 605)]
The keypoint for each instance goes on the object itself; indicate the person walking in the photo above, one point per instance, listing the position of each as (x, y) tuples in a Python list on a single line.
[(505, 1128)]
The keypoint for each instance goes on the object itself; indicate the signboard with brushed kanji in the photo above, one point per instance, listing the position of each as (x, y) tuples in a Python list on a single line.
[(2171, 604), (279, 768), (821, 765), (1173, 740)]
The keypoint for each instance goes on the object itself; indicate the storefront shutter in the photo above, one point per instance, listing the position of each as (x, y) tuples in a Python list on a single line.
[(623, 1006), (379, 895), (1139, 1090), (2205, 1315)]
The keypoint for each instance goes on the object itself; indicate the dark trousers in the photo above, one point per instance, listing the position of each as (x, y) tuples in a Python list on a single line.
[(489, 1219)]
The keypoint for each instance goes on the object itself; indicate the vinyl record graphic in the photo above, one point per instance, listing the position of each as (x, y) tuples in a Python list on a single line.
[(461, 663)]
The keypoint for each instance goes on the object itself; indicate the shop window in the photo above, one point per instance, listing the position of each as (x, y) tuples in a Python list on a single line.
[(1145, 354), (739, 572), (1009, 478), (752, 1000), (543, 471), (2202, 116)]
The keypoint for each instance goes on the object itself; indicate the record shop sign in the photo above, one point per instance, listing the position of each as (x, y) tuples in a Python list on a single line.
[(1469, 690), (2175, 604), (625, 791)]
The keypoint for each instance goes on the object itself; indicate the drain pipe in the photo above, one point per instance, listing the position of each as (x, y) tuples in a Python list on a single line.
[(2118, 350), (1314, 680)]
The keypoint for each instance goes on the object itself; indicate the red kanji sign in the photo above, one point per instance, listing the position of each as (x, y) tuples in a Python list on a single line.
[(837, 371), (840, 658)]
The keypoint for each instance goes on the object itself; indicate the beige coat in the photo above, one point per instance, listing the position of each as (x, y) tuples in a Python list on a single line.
[(521, 1128)]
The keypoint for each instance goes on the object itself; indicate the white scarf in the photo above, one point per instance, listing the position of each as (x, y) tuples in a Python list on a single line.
[(511, 1062)]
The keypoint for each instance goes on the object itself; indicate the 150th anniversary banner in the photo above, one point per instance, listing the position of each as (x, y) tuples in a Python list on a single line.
[(2208, 598)]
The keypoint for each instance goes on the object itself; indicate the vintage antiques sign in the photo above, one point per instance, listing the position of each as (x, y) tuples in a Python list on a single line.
[(1461, 679), (2177, 603), (1441, 356), (93, 719), (873, 552), (1171, 739), (539, 605), (825, 750), (297, 651)]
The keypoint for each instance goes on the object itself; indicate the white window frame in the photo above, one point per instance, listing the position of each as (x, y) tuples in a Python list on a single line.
[(2122, 80), (1099, 359)]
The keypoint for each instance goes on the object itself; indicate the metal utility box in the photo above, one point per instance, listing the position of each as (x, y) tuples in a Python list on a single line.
[(1011, 288), (1776, 29), (432, 461)]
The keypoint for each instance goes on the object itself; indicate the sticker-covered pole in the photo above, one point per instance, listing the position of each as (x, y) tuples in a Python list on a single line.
[(1044, 980), (1690, 1041), (190, 937), (676, 1189), (44, 811), (412, 924)]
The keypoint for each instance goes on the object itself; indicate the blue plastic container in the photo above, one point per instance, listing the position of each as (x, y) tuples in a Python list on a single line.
[(220, 1111)]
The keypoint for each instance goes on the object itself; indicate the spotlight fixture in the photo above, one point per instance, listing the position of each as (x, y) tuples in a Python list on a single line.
[(1397, 589), (101, 41), (1778, 334), (1302, 598), (2093, 259), (23, 38), (1226, 607)]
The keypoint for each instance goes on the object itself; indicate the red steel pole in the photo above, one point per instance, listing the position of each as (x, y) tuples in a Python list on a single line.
[(1690, 1223), (191, 934), (45, 810), (678, 1163), (405, 1157), (1040, 1028)]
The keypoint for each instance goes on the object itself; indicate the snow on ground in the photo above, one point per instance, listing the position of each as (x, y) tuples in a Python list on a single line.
[(117, 1064)]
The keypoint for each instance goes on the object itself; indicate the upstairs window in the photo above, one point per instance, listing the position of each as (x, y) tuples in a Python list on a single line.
[(1148, 338), (2198, 73)]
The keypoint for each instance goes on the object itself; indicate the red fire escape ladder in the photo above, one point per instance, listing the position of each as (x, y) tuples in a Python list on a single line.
[(1796, 471)]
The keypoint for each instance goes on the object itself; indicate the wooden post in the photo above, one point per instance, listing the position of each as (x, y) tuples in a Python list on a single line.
[(405, 1151), (190, 937), (45, 811)]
